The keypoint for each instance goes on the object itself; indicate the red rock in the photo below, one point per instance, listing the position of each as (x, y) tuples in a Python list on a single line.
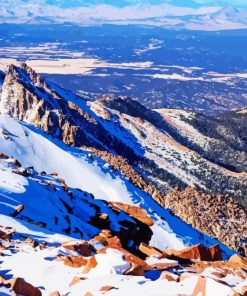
[(74, 261), (238, 260), (184, 276), (2, 247), (80, 246), (163, 266), (196, 252), (170, 277), (103, 216), (138, 266), (134, 211), (149, 251), (107, 288), (106, 238), (91, 263), (244, 291), (200, 288), (20, 287), (88, 294), (3, 156), (18, 210), (56, 293), (2, 280), (114, 241), (76, 280)]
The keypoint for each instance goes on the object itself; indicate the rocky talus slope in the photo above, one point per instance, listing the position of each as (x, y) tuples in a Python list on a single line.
[(218, 216), (102, 266)]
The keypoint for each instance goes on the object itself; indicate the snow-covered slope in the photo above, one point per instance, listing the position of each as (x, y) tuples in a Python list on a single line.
[(40, 216), (79, 169), (166, 148)]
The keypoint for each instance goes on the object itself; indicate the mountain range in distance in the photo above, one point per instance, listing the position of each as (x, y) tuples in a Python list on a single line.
[(190, 15)]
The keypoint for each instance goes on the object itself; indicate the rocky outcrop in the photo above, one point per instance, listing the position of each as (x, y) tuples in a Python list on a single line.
[(198, 252), (133, 211), (20, 287), (218, 216)]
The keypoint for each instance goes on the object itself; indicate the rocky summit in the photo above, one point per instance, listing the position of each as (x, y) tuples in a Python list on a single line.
[(107, 196)]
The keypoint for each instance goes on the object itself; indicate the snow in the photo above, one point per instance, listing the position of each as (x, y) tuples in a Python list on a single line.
[(111, 263), (33, 149)]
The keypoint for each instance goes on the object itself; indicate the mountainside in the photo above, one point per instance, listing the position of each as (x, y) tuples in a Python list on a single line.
[(167, 148), (113, 253), (83, 195)]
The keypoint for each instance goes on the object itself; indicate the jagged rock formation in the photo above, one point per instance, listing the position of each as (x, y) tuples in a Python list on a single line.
[(218, 216)]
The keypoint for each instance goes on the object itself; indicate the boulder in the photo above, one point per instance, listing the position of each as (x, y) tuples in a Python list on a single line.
[(149, 251), (105, 289), (20, 287), (238, 261), (196, 252), (170, 277), (80, 246), (107, 239), (74, 261), (134, 211)]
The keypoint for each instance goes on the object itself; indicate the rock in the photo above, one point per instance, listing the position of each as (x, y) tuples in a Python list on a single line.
[(196, 252), (244, 291), (88, 294), (105, 289), (56, 293), (200, 288), (210, 215), (149, 251), (33, 243), (103, 216), (2, 247), (106, 238), (80, 246), (76, 280), (170, 277), (74, 261), (18, 210), (6, 232), (3, 156), (20, 287), (16, 162), (2, 280), (91, 263), (238, 260), (135, 212)]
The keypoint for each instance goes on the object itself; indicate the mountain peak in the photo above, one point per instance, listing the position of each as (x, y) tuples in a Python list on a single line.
[(24, 73)]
